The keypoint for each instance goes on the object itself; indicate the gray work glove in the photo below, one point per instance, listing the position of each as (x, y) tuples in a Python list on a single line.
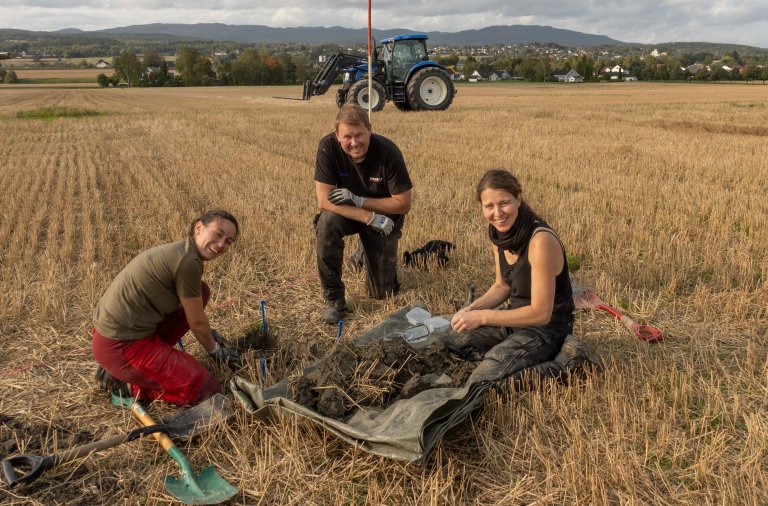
[(226, 355), (382, 224), (344, 197)]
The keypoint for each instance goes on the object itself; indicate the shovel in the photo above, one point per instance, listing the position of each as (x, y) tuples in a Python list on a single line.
[(27, 468), (585, 298), (190, 488)]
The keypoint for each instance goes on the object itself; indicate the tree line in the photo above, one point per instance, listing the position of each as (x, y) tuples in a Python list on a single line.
[(263, 66), (541, 67), (253, 66)]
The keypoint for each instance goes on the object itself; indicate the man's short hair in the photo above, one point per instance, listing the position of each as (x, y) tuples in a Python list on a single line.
[(352, 114)]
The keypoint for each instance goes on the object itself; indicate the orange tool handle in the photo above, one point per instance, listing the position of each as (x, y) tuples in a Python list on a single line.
[(147, 420)]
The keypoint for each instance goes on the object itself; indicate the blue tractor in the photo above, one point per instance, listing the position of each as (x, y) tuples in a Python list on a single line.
[(402, 74)]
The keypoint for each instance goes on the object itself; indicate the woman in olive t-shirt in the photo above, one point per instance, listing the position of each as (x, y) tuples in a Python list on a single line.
[(151, 304)]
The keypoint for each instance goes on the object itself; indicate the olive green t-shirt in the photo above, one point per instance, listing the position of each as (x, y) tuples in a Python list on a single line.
[(148, 289)]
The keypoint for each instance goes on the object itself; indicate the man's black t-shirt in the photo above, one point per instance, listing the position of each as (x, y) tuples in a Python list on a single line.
[(382, 174)]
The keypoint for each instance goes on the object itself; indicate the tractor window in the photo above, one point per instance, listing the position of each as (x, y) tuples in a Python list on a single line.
[(406, 54), (385, 52)]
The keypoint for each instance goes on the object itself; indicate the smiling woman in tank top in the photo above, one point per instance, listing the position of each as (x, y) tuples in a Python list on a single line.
[(531, 276)]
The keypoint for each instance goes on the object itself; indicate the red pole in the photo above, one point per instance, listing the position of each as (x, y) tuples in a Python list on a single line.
[(370, 58)]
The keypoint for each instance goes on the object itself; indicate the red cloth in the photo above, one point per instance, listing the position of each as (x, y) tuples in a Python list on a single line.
[(154, 366)]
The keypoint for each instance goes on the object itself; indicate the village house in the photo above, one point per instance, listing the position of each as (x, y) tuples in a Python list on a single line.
[(614, 73), (480, 75), (692, 69), (568, 76)]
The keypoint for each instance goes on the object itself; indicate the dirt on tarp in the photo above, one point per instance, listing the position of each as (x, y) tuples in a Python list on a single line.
[(376, 375)]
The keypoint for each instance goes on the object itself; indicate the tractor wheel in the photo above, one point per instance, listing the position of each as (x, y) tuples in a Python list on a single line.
[(341, 97), (358, 94), (430, 89), (403, 106)]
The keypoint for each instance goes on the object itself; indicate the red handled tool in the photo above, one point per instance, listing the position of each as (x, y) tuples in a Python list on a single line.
[(585, 298)]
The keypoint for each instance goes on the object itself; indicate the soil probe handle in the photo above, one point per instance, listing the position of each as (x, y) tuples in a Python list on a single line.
[(262, 305), (470, 296)]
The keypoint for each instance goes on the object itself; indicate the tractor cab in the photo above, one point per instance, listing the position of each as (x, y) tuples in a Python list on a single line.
[(401, 53), (402, 73)]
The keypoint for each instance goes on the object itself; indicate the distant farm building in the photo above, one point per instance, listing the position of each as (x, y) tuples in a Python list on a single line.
[(569, 76)]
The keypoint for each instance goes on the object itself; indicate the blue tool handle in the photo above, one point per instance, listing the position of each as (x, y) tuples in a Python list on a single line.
[(263, 317), (341, 328)]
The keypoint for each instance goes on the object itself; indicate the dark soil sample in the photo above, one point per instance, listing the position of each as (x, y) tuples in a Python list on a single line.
[(319, 388), (376, 375), (256, 339)]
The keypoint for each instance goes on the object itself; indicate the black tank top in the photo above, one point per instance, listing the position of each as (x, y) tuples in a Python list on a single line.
[(518, 277)]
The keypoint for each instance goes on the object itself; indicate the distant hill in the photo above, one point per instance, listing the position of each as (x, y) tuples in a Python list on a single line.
[(69, 31), (167, 38), (514, 34), (521, 34)]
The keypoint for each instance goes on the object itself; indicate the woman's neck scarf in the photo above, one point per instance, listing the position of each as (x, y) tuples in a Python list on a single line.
[(517, 237)]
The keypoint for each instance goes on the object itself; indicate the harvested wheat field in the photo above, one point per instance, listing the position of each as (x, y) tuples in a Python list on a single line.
[(658, 190)]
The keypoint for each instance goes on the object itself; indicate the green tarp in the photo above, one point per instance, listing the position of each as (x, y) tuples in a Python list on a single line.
[(405, 430)]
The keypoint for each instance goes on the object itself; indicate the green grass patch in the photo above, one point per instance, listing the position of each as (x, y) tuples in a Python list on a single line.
[(52, 113), (574, 262), (58, 80)]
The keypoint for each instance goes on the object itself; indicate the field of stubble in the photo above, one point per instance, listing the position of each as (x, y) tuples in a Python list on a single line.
[(658, 190)]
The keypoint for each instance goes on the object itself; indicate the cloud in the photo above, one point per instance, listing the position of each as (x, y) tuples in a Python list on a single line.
[(744, 22)]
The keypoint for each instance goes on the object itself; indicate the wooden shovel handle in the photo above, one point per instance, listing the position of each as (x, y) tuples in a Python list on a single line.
[(147, 420)]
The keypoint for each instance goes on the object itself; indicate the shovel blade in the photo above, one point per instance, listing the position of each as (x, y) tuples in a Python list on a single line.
[(201, 418), (584, 298), (205, 488)]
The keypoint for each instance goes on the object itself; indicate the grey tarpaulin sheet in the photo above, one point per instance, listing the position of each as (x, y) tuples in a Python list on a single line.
[(405, 430)]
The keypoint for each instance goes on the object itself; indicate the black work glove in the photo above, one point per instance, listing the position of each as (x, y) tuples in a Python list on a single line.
[(225, 355), (219, 339), (344, 197)]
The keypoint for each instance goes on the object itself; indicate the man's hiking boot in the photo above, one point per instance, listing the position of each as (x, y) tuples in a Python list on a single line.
[(334, 311), (112, 384)]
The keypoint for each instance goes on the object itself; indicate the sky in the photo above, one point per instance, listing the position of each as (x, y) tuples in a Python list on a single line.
[(644, 21)]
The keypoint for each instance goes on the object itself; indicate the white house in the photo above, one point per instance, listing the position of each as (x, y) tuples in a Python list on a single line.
[(573, 77), (618, 69), (478, 76), (570, 76)]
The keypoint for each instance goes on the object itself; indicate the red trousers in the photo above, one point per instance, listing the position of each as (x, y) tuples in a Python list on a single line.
[(154, 367)]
